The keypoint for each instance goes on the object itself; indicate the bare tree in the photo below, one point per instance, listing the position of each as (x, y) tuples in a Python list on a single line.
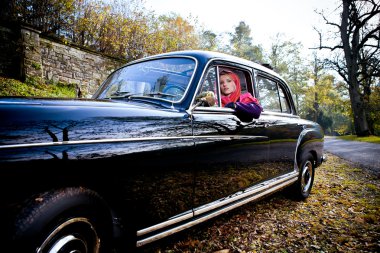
[(358, 38)]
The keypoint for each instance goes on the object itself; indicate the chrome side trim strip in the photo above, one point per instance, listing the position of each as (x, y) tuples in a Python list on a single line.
[(18, 103), (59, 143), (145, 241), (243, 194), (187, 137), (165, 224), (220, 203)]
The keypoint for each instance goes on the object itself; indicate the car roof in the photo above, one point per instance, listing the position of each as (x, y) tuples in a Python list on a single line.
[(212, 55)]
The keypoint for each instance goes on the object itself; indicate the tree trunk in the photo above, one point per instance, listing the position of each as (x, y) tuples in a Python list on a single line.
[(360, 119), (351, 54)]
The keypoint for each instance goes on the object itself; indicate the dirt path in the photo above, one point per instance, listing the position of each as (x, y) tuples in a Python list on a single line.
[(341, 215)]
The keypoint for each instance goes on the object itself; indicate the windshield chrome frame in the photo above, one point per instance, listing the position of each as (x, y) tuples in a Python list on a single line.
[(196, 63)]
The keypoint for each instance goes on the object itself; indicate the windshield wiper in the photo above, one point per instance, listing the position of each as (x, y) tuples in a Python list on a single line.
[(121, 94), (160, 94), (126, 94)]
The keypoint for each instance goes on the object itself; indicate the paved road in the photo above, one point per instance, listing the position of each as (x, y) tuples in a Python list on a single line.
[(365, 155)]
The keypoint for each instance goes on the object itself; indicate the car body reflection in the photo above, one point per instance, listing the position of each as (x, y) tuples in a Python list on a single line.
[(147, 153)]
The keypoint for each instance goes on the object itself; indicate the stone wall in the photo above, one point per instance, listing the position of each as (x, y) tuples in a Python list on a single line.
[(53, 61), (10, 53), (31, 53)]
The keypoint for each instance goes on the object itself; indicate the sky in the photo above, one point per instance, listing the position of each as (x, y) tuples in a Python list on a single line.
[(266, 18)]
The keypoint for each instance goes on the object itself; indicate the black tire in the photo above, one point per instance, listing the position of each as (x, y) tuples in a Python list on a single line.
[(302, 188), (66, 220)]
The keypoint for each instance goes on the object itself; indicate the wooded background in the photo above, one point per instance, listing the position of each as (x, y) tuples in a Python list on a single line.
[(340, 91)]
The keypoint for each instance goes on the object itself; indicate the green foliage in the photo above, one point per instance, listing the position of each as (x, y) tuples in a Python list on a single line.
[(241, 44), (208, 41), (172, 33), (36, 65), (35, 87), (123, 29), (285, 58), (281, 53), (372, 138), (374, 110), (50, 16), (325, 101)]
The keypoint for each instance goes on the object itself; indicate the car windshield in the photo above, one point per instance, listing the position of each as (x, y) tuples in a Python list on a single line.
[(166, 79)]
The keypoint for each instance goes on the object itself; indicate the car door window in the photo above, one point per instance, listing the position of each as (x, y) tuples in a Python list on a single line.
[(209, 88), (272, 96), (283, 101), (210, 84)]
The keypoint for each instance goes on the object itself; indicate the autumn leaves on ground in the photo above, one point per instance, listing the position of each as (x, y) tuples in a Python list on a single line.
[(341, 215)]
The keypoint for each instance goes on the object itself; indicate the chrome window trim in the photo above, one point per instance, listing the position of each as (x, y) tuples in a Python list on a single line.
[(153, 59), (247, 66), (213, 109), (281, 114)]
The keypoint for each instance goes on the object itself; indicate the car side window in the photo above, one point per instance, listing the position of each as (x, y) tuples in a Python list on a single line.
[(283, 101), (272, 96), (210, 86), (208, 91)]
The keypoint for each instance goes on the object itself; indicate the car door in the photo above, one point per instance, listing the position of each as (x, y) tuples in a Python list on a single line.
[(281, 121), (230, 155)]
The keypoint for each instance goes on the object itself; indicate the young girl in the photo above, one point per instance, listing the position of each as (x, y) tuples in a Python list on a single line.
[(246, 106)]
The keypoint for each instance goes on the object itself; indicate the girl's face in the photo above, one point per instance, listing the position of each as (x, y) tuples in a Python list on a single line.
[(227, 85)]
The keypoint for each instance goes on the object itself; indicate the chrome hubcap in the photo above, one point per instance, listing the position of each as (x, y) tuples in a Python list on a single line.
[(306, 178), (76, 235)]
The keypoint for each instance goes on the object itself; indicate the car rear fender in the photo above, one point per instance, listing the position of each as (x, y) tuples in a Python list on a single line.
[(310, 141)]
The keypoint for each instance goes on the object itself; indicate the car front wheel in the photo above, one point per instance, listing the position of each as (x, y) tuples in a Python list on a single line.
[(64, 221)]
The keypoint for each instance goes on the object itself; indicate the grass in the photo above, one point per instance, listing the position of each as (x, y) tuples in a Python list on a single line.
[(372, 138), (36, 88), (340, 215)]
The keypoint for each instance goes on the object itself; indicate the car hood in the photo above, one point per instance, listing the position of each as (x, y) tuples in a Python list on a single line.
[(34, 121), (26, 109), (73, 102)]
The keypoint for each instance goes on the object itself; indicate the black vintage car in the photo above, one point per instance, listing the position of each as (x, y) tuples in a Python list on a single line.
[(147, 156)]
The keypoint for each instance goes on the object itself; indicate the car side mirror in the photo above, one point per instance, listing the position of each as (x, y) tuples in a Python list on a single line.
[(204, 99)]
